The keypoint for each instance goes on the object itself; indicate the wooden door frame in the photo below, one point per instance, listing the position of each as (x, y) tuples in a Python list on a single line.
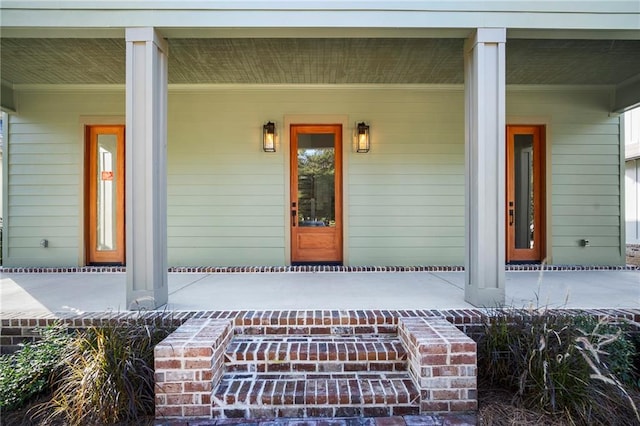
[(90, 208), (537, 254), (337, 129)]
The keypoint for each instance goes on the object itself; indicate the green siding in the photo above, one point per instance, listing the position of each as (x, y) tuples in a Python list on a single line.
[(585, 173), (227, 199), (45, 156)]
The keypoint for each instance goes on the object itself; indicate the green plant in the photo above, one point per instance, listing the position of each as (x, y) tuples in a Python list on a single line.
[(566, 365), (107, 376), (618, 350), (25, 374)]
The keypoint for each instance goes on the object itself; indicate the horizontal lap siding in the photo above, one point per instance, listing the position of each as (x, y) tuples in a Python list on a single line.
[(406, 196), (585, 172), (45, 166), (227, 198)]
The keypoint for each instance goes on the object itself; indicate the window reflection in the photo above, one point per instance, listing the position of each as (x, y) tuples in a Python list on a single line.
[(316, 180), (106, 192), (524, 199)]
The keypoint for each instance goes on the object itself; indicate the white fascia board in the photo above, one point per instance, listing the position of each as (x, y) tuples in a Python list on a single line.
[(313, 19), (558, 6), (542, 14), (61, 32)]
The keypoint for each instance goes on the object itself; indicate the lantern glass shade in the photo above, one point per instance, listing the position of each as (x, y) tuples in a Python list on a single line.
[(362, 138), (269, 137)]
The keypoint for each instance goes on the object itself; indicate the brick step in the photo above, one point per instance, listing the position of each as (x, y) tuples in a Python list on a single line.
[(263, 395), (291, 354)]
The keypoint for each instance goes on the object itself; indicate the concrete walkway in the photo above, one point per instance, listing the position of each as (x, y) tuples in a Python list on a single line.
[(89, 292)]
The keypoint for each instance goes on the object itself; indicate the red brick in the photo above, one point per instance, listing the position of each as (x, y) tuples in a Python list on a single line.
[(177, 376), (434, 349), (164, 411), (204, 375), (180, 399), (433, 406), (197, 411), (167, 364), (315, 411), (166, 351), (406, 411), (192, 364), (466, 382), (464, 405), (445, 394), (433, 360), (168, 388), (376, 411), (197, 387), (446, 370), (468, 346), (467, 359), (279, 367), (197, 352)]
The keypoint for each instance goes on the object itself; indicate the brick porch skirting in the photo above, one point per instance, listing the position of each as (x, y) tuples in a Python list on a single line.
[(306, 268), (415, 361)]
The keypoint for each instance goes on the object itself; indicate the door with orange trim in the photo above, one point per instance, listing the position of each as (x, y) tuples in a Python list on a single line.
[(525, 208), (105, 186), (316, 193)]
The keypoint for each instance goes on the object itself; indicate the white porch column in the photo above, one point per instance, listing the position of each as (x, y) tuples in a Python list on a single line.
[(146, 168), (484, 63)]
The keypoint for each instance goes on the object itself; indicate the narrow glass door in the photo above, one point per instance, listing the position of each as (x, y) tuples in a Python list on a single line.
[(316, 194), (525, 199), (105, 195)]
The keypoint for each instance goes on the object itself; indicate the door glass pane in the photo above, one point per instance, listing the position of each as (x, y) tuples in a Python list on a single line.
[(316, 180), (523, 191), (106, 192)]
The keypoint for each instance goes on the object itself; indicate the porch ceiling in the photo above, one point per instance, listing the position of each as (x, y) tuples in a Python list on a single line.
[(318, 61)]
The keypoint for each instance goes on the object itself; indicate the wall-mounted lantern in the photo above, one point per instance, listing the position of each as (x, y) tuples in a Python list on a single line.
[(362, 137), (269, 137)]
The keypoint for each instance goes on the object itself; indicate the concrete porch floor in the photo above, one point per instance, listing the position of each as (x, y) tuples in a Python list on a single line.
[(94, 292)]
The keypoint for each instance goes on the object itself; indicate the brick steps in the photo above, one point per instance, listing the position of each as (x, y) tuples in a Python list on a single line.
[(262, 395), (258, 365), (315, 354), (270, 376)]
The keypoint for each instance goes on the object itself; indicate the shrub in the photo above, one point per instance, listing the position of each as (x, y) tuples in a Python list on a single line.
[(571, 366), (107, 376), (25, 374)]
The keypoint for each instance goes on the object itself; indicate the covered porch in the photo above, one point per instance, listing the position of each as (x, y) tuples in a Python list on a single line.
[(45, 294), (194, 85)]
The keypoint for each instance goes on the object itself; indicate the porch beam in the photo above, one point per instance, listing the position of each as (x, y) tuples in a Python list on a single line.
[(146, 168), (7, 99), (627, 95), (484, 61)]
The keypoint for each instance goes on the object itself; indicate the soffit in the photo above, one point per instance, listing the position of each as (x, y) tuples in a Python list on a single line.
[(318, 61)]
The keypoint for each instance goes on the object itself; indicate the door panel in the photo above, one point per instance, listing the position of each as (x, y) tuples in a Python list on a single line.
[(525, 193), (316, 193), (105, 228)]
